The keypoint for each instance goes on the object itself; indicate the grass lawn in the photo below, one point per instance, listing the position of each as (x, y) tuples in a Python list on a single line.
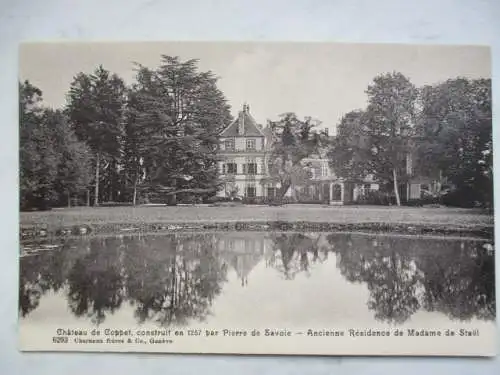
[(453, 217)]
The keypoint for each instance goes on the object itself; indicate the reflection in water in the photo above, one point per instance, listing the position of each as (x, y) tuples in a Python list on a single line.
[(174, 279), (406, 274), (95, 282), (294, 253), (38, 275)]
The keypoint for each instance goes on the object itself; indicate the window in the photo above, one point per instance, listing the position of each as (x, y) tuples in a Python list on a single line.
[(324, 169), (269, 167), (271, 192), (251, 191), (251, 168), (231, 168), (229, 144), (317, 172), (250, 144)]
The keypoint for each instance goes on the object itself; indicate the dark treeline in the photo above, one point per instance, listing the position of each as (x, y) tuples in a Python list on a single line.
[(155, 140), (117, 143)]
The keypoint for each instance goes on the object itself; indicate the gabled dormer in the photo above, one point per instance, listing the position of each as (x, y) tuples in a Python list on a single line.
[(243, 134), (244, 126)]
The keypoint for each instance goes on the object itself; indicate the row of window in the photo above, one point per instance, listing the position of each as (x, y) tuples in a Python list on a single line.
[(251, 168), (232, 168), (229, 144)]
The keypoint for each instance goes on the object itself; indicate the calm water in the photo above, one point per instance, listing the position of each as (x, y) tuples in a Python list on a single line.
[(257, 278)]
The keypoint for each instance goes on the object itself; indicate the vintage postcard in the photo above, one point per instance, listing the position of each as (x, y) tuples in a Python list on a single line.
[(256, 198)]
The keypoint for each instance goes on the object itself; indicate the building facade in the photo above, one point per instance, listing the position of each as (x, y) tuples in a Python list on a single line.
[(244, 148), (242, 157)]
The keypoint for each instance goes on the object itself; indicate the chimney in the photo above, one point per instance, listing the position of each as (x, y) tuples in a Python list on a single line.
[(241, 120)]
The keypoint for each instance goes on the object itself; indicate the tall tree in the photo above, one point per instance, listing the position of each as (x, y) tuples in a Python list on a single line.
[(29, 118), (95, 108), (37, 152), (181, 111), (455, 136), (378, 140), (74, 170), (391, 116), (133, 144), (293, 141), (53, 162), (350, 153)]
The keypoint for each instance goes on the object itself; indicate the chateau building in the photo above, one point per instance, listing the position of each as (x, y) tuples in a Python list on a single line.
[(243, 159), (244, 152)]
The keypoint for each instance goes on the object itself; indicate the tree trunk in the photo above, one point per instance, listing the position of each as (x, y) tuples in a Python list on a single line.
[(134, 197), (284, 189), (69, 199), (172, 198), (88, 198), (396, 190), (440, 181), (97, 166)]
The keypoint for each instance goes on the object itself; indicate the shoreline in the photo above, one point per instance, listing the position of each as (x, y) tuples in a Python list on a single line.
[(44, 231), (304, 218)]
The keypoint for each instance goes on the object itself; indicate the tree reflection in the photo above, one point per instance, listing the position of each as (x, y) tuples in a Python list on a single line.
[(391, 276), (39, 273), (95, 283), (173, 279), (293, 253), (405, 274), (169, 279), (459, 281), (392, 281)]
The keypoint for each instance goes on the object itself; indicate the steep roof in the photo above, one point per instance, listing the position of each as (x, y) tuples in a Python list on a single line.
[(244, 126), (244, 264)]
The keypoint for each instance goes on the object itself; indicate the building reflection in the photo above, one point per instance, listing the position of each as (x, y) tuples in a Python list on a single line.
[(243, 251)]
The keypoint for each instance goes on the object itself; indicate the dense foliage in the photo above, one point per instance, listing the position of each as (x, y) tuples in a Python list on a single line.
[(54, 164), (155, 138), (293, 140), (440, 132)]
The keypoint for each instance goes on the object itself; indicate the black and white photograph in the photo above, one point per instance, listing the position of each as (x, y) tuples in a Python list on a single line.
[(270, 198)]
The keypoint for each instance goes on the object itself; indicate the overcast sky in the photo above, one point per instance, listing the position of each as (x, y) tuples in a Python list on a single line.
[(321, 80)]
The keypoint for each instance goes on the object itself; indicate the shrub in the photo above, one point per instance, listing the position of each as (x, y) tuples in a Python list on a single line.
[(376, 197), (464, 198), (216, 199)]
